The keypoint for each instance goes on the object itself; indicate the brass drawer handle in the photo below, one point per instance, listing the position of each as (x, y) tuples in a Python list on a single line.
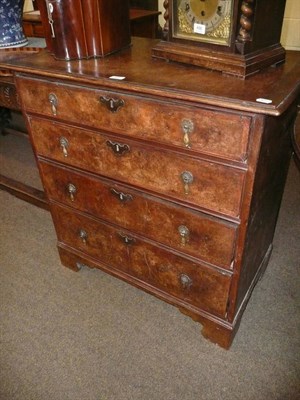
[(80, 265), (187, 179), (111, 104), (187, 127), (83, 235), (71, 189), (184, 233), (53, 102), (123, 197), (126, 239), (185, 281), (118, 148), (64, 144)]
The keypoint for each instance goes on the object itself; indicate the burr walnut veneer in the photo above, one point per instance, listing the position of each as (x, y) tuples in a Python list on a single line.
[(170, 179)]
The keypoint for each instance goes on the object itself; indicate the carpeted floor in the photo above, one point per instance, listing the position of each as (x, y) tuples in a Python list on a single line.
[(88, 336)]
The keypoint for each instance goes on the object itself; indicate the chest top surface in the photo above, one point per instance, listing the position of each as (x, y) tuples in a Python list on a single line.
[(277, 87)]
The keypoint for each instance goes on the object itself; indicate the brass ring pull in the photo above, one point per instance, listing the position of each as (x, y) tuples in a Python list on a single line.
[(185, 281), (187, 127), (79, 265), (118, 148), (64, 144), (184, 233), (111, 104), (123, 197), (83, 235), (53, 102), (187, 179), (71, 189)]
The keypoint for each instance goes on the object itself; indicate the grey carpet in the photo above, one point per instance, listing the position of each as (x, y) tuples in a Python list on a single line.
[(88, 336)]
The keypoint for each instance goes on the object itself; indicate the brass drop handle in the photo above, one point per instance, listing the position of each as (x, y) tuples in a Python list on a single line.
[(187, 179), (118, 148), (64, 144), (83, 235), (184, 233), (126, 239), (111, 104), (53, 102), (185, 281), (71, 189), (187, 127), (123, 197), (79, 265)]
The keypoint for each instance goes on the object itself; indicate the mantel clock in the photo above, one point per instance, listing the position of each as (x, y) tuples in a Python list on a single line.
[(233, 36)]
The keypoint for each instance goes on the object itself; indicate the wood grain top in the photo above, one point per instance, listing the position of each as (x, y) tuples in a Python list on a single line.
[(146, 75)]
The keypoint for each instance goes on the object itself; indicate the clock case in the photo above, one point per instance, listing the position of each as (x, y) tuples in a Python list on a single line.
[(254, 40)]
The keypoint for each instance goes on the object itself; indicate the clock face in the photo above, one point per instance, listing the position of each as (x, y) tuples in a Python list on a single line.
[(203, 20)]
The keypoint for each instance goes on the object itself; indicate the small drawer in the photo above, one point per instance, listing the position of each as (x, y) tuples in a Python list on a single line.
[(187, 127), (207, 238), (207, 185), (191, 282)]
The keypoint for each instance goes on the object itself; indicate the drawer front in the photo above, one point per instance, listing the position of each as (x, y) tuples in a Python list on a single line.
[(216, 133), (207, 238), (207, 185), (203, 287)]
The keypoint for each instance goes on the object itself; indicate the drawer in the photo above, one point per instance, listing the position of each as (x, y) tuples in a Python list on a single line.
[(216, 133), (193, 233), (191, 282), (207, 185)]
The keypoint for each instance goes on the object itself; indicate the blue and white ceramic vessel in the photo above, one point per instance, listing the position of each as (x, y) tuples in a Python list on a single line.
[(11, 29)]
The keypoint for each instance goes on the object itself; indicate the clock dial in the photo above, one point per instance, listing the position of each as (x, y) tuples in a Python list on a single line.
[(203, 20)]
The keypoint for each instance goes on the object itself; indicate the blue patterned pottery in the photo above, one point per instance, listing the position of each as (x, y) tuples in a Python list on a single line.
[(11, 29)]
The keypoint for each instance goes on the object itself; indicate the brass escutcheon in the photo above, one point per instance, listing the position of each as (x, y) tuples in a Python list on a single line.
[(118, 148), (113, 105), (123, 197), (126, 239)]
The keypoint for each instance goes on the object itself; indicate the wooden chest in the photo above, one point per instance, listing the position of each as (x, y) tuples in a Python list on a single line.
[(176, 196)]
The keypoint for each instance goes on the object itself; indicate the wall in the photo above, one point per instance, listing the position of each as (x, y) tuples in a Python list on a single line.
[(290, 37), (28, 5)]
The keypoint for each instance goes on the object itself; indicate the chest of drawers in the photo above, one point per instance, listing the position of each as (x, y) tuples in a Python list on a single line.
[(174, 195)]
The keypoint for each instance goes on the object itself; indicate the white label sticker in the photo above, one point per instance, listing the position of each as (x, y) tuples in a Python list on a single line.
[(262, 100), (118, 78), (199, 28)]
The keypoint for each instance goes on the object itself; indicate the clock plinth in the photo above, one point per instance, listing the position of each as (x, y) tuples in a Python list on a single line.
[(241, 66)]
